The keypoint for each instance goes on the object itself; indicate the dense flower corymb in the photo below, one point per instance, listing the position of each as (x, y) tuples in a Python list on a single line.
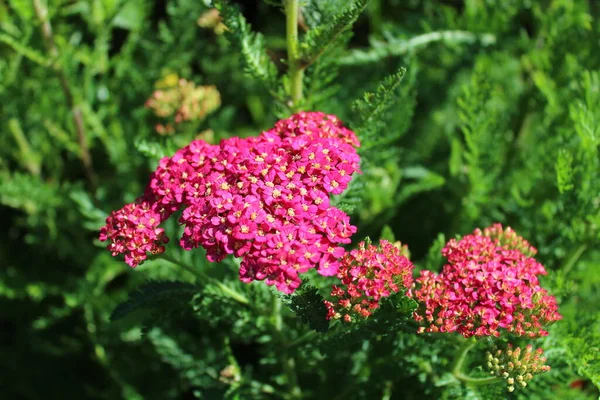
[(264, 199), (133, 231), (368, 274), (490, 283)]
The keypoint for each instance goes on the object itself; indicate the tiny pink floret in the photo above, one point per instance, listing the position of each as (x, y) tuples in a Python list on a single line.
[(367, 275)]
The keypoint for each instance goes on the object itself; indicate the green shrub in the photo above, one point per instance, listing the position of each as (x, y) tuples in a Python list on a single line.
[(469, 113)]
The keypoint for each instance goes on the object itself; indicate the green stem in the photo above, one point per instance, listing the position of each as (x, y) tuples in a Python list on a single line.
[(287, 361), (41, 12), (573, 258), (387, 391), (29, 158), (301, 339), (374, 11), (201, 276), (477, 381), (295, 70), (462, 356), (460, 361)]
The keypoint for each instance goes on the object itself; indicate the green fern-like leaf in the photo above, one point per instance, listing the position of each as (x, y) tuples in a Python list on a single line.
[(374, 104), (483, 122), (24, 50), (397, 47), (420, 180), (150, 148), (153, 294), (250, 44), (321, 38), (28, 193), (308, 305), (564, 171), (197, 372), (583, 347)]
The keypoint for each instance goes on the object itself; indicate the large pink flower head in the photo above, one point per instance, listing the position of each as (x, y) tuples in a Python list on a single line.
[(368, 274), (489, 284), (264, 199)]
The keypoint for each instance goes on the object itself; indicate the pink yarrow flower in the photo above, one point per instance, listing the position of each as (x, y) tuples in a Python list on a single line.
[(367, 275), (489, 285), (264, 199), (133, 231)]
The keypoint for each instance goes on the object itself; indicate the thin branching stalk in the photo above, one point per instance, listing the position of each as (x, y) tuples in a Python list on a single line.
[(202, 277), (29, 158), (457, 368), (41, 12), (573, 258)]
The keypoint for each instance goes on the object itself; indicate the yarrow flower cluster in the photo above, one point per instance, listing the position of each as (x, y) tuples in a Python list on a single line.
[(516, 366), (490, 283), (264, 199), (368, 274), (212, 19), (181, 102)]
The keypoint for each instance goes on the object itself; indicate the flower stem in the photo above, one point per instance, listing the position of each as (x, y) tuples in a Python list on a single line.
[(573, 258), (459, 363), (462, 355), (201, 276), (295, 69), (477, 381), (301, 339)]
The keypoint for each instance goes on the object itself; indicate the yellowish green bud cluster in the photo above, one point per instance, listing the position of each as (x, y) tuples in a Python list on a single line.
[(211, 19), (177, 101), (516, 366)]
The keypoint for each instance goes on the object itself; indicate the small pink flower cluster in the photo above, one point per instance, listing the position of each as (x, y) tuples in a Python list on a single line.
[(516, 366), (133, 231), (368, 274), (264, 199), (487, 285)]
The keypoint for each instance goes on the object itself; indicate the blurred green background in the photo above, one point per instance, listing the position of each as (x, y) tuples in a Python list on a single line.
[(496, 120)]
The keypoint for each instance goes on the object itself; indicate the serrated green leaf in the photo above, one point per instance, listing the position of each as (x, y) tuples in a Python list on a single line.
[(424, 180), (197, 372), (564, 171), (321, 38), (374, 104), (250, 44), (397, 47), (24, 50), (151, 149), (307, 304)]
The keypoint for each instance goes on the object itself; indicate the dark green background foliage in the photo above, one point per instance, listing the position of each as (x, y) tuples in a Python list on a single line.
[(497, 118)]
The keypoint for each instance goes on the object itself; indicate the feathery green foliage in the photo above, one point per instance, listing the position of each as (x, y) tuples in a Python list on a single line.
[(370, 108), (394, 47), (308, 305), (474, 112), (320, 39), (250, 45), (152, 294)]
